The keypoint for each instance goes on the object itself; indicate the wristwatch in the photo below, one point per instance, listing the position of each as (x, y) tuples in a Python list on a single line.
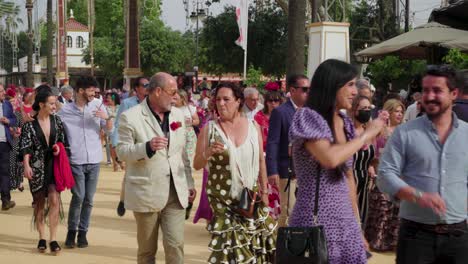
[(417, 194)]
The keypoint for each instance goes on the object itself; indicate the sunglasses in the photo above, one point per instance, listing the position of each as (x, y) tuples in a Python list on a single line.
[(274, 100), (144, 85), (304, 89)]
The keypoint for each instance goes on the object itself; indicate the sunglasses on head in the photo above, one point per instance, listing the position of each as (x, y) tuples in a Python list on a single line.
[(304, 89)]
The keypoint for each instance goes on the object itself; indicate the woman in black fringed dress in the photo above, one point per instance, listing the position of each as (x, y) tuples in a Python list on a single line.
[(38, 146)]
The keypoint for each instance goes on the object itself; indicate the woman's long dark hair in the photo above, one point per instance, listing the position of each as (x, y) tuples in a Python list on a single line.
[(329, 77), (41, 97)]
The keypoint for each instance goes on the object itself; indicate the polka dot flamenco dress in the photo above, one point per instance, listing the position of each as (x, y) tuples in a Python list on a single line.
[(236, 239)]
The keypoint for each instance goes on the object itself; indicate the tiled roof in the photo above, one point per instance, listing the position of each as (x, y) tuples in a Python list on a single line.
[(73, 25)]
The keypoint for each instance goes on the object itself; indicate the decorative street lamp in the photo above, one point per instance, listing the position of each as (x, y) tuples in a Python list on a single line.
[(199, 13), (29, 75)]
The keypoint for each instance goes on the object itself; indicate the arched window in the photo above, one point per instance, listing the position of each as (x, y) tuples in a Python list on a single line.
[(69, 42), (79, 42)]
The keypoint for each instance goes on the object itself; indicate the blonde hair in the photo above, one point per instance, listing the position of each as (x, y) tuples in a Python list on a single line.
[(183, 96), (392, 104)]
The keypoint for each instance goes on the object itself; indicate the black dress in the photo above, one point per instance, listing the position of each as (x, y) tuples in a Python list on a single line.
[(48, 152), (362, 160)]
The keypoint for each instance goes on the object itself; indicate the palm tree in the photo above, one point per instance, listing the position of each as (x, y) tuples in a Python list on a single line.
[(9, 13)]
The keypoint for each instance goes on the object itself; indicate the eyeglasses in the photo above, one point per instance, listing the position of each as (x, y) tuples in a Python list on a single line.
[(304, 89), (170, 94)]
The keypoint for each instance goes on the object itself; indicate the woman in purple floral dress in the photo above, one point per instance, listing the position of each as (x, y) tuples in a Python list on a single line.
[(323, 146)]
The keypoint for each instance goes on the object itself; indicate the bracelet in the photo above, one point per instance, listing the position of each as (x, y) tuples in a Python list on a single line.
[(417, 194)]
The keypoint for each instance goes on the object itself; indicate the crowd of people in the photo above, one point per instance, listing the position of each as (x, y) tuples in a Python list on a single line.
[(388, 179)]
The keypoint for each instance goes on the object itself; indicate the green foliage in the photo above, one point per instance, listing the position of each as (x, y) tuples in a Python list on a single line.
[(219, 53), (267, 42), (8, 51), (391, 68), (457, 59), (372, 21), (163, 49), (109, 36), (254, 77), (80, 10)]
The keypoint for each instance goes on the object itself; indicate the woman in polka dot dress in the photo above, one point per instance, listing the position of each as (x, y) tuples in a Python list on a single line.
[(232, 148), (323, 146)]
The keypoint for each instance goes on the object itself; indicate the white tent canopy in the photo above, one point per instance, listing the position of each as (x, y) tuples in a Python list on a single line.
[(413, 44)]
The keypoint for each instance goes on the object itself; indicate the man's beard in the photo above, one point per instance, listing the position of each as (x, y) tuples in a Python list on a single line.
[(442, 109)]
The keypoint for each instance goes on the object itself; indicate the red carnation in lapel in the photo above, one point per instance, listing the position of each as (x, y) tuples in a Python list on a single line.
[(175, 125)]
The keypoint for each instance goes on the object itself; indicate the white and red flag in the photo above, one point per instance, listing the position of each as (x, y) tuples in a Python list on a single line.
[(242, 17)]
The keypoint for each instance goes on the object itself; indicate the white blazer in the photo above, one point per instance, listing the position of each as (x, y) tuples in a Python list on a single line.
[(147, 180)]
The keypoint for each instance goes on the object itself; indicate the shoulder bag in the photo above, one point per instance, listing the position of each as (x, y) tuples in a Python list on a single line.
[(303, 245)]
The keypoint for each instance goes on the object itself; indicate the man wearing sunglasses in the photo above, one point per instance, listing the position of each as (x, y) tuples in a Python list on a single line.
[(140, 86), (278, 159)]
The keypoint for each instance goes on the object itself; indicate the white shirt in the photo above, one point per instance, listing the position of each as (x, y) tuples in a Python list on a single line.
[(188, 110), (250, 114), (204, 103), (411, 113)]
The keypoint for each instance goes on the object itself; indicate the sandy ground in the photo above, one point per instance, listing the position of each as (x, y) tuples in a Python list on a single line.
[(112, 239)]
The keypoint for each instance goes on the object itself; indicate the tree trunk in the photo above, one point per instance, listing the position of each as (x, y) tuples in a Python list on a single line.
[(29, 74), (295, 62), (50, 43)]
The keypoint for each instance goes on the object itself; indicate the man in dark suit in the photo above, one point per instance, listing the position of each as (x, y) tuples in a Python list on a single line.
[(277, 149), (7, 119)]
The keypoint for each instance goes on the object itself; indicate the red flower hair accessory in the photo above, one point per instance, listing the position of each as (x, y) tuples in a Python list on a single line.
[(272, 86)]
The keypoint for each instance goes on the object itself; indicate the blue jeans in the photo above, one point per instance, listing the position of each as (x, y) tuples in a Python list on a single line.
[(86, 178)]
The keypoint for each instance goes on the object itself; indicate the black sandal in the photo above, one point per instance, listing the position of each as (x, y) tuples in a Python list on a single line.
[(54, 248), (42, 246)]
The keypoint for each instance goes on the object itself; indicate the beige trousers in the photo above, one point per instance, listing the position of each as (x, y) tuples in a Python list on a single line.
[(286, 208), (171, 220)]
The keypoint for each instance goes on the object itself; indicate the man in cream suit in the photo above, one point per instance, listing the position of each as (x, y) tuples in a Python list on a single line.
[(158, 180)]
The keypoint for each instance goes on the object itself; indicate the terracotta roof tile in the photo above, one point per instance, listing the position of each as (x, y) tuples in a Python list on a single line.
[(73, 25)]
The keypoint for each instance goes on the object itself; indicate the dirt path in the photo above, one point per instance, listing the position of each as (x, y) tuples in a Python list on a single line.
[(112, 239)]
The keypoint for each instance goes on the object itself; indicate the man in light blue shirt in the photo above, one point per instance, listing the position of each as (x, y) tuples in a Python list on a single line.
[(140, 85), (83, 120), (141, 91), (425, 165)]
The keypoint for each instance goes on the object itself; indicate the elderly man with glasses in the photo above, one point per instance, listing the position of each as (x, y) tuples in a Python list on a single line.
[(158, 179), (252, 102)]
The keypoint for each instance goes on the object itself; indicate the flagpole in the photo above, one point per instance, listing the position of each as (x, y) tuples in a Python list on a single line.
[(245, 64), (246, 14)]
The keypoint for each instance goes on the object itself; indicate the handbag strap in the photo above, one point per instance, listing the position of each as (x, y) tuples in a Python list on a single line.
[(317, 186)]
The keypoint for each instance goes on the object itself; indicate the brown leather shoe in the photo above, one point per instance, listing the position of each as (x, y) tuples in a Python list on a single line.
[(8, 205)]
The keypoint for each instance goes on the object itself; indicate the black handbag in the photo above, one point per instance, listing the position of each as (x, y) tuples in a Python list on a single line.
[(303, 245)]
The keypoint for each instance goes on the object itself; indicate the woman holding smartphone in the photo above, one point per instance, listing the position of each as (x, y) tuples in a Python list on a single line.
[(383, 223), (323, 144), (233, 149)]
